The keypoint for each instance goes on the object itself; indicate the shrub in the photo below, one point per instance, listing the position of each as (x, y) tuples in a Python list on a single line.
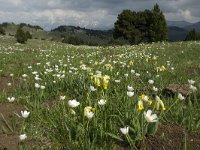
[(21, 36), (2, 31)]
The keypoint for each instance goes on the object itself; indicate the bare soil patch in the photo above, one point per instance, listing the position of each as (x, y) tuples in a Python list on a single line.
[(8, 117), (173, 137), (9, 141), (173, 89), (4, 80)]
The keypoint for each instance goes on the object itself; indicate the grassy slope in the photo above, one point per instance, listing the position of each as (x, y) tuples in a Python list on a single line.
[(102, 131)]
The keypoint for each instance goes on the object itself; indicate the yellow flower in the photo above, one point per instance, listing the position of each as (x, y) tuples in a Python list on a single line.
[(131, 62), (159, 103), (162, 68), (106, 79), (140, 105), (88, 109), (109, 67), (96, 63)]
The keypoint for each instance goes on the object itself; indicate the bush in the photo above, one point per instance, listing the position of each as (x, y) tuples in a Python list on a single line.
[(28, 35), (2, 31), (73, 40), (21, 36)]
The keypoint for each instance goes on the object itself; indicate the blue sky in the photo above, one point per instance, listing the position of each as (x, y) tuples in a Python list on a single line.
[(96, 14)]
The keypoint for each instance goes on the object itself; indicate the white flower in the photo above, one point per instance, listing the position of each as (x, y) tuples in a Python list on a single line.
[(155, 89), (137, 74), (22, 137), (149, 117), (130, 88), (117, 81), (130, 94), (73, 103), (180, 96), (25, 114), (62, 97), (132, 71), (11, 74), (42, 87), (92, 88), (126, 75), (124, 130), (191, 82), (37, 85), (102, 102), (89, 112), (9, 84), (11, 99), (89, 115), (24, 75), (151, 82), (193, 88)]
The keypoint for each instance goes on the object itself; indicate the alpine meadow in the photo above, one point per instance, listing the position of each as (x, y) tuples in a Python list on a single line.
[(126, 88)]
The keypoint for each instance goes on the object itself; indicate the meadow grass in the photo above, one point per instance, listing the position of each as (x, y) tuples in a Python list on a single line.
[(49, 74)]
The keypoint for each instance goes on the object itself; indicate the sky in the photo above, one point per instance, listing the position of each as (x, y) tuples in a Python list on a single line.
[(94, 14)]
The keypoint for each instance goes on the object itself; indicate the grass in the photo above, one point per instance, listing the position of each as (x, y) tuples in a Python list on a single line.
[(67, 70)]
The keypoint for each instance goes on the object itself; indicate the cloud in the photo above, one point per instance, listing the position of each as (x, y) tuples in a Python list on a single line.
[(90, 13)]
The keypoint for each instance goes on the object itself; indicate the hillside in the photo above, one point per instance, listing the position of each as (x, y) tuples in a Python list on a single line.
[(177, 31), (195, 26)]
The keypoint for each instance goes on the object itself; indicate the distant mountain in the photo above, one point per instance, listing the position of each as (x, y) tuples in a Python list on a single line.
[(179, 24), (176, 33), (195, 26)]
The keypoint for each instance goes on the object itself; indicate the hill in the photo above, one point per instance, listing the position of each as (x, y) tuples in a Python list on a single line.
[(195, 26), (176, 33), (180, 24)]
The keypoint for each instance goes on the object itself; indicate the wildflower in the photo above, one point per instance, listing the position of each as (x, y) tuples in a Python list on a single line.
[(132, 71), (108, 67), (180, 96), (150, 117), (73, 103), (92, 88), (146, 99), (137, 74), (126, 74), (25, 114), (159, 103), (24, 75), (130, 93), (124, 130), (117, 81), (106, 79), (155, 89), (151, 82), (130, 88), (102, 102), (191, 82), (11, 74), (162, 68), (62, 97), (11, 99), (9, 84), (22, 137), (42, 87), (140, 105), (37, 85), (193, 88), (89, 112)]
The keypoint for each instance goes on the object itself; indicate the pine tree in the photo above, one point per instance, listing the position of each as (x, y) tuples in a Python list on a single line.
[(21, 36), (192, 36), (158, 25)]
